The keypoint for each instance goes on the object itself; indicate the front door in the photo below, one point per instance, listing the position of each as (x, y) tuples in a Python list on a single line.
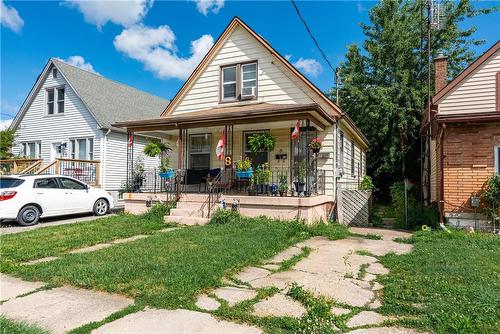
[(58, 150)]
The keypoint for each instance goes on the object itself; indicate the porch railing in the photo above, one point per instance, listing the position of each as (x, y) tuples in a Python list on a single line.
[(87, 171), (17, 166)]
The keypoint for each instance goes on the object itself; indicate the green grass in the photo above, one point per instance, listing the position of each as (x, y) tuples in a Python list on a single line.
[(8, 326), (449, 283), (169, 269), (53, 241)]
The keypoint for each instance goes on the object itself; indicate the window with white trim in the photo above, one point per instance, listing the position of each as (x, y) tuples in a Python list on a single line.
[(248, 80), (82, 148), (229, 83), (31, 150), (55, 100), (340, 153), (497, 159), (353, 159)]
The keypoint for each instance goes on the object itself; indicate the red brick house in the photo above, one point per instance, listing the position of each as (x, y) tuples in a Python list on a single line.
[(465, 136)]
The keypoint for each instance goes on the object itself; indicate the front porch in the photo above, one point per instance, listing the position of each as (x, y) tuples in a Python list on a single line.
[(285, 182)]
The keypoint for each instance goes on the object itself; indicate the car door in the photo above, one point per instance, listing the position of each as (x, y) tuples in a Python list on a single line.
[(77, 194), (49, 195)]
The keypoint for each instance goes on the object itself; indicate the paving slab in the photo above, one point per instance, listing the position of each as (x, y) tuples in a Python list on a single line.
[(365, 318), (251, 273), (62, 309), (377, 269), (386, 234), (11, 287), (271, 266), (234, 295), (42, 260), (279, 306), (285, 255), (207, 303), (339, 311), (180, 321), (134, 238), (386, 330), (377, 286), (375, 304)]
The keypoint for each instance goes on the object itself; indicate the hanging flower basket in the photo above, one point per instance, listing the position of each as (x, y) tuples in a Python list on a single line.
[(315, 145)]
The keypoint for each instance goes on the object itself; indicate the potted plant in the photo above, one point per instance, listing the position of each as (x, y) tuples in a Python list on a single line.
[(266, 177), (261, 142), (258, 180), (251, 190), (301, 177), (137, 176), (315, 145), (283, 185), (244, 169), (157, 148)]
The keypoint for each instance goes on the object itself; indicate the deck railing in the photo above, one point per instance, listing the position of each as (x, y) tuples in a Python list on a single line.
[(87, 171)]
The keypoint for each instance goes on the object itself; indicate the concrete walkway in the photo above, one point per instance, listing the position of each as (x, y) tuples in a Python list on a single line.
[(342, 270)]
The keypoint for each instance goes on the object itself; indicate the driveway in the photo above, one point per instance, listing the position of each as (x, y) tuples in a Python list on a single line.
[(9, 227)]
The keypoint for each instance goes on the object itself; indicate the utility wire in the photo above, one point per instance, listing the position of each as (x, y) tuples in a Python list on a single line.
[(312, 36)]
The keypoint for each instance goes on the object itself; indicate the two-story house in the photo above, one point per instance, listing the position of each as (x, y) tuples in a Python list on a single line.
[(241, 88), (65, 126)]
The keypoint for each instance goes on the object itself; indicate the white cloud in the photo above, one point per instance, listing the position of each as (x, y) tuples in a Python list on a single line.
[(288, 57), (5, 123), (361, 8), (309, 66), (125, 13), (9, 17), (79, 62), (204, 6), (156, 49)]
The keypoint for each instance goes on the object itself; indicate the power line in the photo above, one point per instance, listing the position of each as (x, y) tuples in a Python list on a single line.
[(312, 36)]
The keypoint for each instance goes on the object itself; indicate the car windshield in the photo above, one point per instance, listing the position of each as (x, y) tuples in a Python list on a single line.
[(10, 182)]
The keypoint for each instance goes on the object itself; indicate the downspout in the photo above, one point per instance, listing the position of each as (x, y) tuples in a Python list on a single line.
[(441, 170)]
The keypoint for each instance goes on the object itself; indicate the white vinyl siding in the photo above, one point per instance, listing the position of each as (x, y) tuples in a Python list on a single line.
[(75, 122), (476, 93), (275, 84), (354, 168)]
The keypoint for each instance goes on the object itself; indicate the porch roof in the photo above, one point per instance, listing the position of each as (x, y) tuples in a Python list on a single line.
[(235, 114)]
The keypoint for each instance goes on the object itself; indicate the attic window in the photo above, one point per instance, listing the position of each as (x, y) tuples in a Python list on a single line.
[(55, 106), (54, 73), (238, 82)]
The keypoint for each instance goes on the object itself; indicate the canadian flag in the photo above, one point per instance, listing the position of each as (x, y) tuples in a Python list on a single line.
[(219, 150), (296, 131)]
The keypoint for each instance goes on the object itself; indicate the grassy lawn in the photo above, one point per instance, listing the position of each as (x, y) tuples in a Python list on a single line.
[(169, 269), (449, 283), (13, 327), (53, 241)]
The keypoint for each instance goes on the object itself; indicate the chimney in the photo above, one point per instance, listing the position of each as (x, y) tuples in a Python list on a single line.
[(440, 72)]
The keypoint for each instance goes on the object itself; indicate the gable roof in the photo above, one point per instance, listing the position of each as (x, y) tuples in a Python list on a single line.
[(237, 22), (466, 72), (108, 101)]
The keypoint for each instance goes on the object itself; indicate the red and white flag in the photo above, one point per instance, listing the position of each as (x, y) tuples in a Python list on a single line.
[(219, 150), (296, 131)]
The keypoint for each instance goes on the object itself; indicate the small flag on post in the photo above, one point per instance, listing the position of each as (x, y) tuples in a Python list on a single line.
[(219, 150), (130, 139), (296, 131)]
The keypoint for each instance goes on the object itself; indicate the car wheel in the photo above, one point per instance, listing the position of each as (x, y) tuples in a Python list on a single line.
[(28, 215), (101, 207)]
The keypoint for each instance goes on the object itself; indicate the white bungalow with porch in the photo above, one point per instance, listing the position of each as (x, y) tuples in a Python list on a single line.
[(244, 87)]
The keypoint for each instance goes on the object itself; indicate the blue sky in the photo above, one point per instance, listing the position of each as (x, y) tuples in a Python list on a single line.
[(153, 46)]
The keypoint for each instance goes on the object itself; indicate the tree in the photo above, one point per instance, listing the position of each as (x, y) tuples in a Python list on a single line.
[(6, 139), (383, 84)]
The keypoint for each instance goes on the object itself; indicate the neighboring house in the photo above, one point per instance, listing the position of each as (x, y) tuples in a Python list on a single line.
[(66, 124), (465, 145), (242, 87)]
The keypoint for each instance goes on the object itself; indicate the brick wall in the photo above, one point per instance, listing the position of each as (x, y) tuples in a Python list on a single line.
[(468, 162)]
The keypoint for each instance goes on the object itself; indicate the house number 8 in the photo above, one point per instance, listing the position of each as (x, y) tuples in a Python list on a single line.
[(227, 161)]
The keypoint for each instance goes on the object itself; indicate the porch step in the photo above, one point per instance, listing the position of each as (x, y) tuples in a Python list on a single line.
[(188, 212), (189, 205), (185, 220)]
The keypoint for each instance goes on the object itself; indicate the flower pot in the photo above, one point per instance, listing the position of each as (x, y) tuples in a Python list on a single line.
[(244, 174), (299, 186), (316, 150), (167, 175)]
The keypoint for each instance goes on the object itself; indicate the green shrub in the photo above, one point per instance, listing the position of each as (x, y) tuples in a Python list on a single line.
[(367, 184), (418, 214), (158, 211), (491, 197), (225, 216)]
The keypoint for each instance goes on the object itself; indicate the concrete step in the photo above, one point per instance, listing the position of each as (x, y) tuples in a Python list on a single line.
[(189, 205), (183, 220), (190, 197), (188, 212)]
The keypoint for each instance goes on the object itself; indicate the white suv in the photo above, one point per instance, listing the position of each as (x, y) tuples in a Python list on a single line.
[(31, 197)]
